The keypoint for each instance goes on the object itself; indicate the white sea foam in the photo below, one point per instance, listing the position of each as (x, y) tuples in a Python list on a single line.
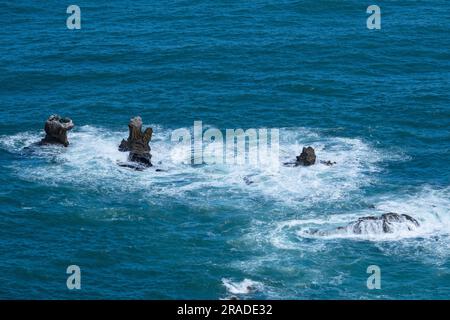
[(17, 142), (91, 162), (243, 287), (430, 207)]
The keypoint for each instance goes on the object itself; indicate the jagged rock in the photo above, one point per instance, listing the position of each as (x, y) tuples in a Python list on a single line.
[(387, 222), (138, 143), (56, 129), (306, 158), (370, 225)]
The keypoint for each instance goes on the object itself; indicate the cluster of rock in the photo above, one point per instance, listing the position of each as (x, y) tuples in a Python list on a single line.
[(137, 144), (386, 223)]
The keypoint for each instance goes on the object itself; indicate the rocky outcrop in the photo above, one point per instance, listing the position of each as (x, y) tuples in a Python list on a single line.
[(56, 129), (138, 143), (306, 158), (372, 225), (386, 223)]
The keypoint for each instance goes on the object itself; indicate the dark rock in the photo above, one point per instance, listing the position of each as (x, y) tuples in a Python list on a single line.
[(144, 158), (56, 129), (138, 143), (289, 164), (131, 165), (124, 146), (247, 181), (251, 288), (386, 223), (307, 157), (327, 163)]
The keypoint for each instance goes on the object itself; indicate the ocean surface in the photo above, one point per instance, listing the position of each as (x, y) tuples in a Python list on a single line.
[(375, 101)]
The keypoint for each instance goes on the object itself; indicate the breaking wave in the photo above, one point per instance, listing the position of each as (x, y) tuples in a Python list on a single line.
[(430, 207), (245, 286), (91, 162), (293, 201)]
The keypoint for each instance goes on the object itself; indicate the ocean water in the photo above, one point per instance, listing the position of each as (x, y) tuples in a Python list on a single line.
[(375, 101)]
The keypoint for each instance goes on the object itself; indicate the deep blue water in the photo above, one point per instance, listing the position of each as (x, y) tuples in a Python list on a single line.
[(375, 101)]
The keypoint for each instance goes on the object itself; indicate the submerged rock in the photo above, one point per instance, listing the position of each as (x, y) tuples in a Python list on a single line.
[(306, 158), (386, 223), (328, 162), (248, 181), (56, 129), (131, 165), (138, 143)]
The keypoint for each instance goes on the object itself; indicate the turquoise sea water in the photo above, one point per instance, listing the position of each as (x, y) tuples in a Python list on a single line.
[(375, 101)]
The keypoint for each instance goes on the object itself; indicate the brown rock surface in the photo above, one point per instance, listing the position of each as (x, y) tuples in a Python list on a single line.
[(138, 143), (56, 129)]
